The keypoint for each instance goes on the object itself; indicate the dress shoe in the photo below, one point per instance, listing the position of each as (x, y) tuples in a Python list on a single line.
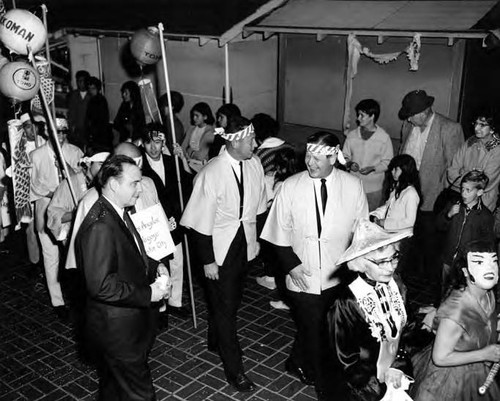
[(242, 383), (267, 282), (298, 372), (178, 311)]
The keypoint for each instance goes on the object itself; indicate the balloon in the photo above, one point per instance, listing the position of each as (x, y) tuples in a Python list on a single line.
[(19, 29), (19, 81), (145, 46)]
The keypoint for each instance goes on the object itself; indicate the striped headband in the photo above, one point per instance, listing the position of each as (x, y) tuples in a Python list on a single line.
[(326, 150), (236, 135)]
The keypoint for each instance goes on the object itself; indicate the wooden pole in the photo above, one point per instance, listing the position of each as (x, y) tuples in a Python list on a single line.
[(177, 167)]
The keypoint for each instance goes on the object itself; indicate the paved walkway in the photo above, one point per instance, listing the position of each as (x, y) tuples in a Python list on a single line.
[(39, 358)]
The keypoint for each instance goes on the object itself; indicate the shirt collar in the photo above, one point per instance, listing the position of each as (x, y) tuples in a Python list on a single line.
[(117, 208)]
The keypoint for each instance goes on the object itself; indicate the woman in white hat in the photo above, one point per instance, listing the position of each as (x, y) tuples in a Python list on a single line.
[(367, 319)]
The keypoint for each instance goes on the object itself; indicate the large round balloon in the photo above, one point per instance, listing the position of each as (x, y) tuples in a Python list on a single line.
[(145, 46), (19, 81), (19, 29)]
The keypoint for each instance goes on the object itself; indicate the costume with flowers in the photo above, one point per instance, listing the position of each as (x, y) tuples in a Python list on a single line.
[(367, 321)]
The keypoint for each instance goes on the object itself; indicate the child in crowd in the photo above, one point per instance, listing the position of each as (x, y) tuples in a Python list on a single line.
[(402, 194), (196, 144), (465, 221), (284, 166), (368, 150), (455, 366)]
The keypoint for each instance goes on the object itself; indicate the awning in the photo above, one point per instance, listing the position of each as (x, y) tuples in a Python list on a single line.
[(452, 19)]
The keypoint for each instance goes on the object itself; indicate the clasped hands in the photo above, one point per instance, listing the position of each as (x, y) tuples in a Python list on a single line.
[(161, 288)]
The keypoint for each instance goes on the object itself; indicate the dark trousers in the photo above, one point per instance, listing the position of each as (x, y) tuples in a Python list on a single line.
[(124, 379), (224, 298), (426, 257), (311, 350)]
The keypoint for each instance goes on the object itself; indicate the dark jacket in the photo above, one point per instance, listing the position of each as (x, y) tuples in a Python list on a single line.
[(168, 193), (119, 315), (465, 226)]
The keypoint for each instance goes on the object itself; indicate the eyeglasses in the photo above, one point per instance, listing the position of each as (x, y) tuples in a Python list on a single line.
[(394, 259)]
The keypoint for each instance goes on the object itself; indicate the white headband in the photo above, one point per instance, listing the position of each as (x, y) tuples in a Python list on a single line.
[(236, 135), (326, 150), (98, 157), (62, 124)]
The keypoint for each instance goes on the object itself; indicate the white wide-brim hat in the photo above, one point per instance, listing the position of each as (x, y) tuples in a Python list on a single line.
[(369, 236)]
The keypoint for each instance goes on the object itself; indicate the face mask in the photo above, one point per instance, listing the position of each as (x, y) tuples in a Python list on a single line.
[(483, 269)]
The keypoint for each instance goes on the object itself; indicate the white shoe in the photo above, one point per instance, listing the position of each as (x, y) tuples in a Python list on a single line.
[(266, 281), (279, 305)]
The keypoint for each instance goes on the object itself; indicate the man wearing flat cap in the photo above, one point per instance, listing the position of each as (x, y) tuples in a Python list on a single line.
[(432, 140)]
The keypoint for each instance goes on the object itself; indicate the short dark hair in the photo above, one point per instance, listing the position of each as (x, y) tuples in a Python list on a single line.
[(134, 90), (323, 138), (82, 74), (158, 127), (477, 177), (95, 82), (176, 98), (113, 168), (370, 107), (265, 126), (488, 115), (205, 110), (236, 124)]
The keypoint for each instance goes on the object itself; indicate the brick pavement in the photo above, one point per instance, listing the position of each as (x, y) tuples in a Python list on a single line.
[(39, 357)]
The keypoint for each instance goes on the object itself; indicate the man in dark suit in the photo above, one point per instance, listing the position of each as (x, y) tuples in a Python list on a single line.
[(432, 140), (120, 315), (161, 169)]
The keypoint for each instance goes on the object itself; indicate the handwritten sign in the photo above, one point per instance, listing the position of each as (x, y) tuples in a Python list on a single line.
[(154, 229)]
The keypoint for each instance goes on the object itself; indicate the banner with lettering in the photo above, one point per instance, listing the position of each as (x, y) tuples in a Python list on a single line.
[(154, 229)]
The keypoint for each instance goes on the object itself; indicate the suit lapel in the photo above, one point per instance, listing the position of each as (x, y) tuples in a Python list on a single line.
[(111, 210), (432, 142)]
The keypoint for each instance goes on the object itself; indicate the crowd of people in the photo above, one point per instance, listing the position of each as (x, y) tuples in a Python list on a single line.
[(339, 230)]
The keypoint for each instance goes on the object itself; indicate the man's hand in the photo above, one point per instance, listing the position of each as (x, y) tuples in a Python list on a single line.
[(162, 270), (454, 210), (158, 293), (367, 170), (393, 376), (299, 275), (211, 271)]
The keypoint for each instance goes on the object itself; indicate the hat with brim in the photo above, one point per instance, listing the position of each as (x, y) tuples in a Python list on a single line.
[(415, 102), (368, 237)]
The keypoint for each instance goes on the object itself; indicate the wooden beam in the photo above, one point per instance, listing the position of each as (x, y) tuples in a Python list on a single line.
[(475, 34), (320, 37), (246, 34), (267, 35), (203, 41)]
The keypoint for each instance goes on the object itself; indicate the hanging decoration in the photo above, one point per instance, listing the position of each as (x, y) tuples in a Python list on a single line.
[(19, 81), (47, 84), (145, 46), (20, 30), (20, 171), (413, 52), (354, 52)]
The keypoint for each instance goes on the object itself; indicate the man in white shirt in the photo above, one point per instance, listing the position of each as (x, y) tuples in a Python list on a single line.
[(228, 196), (311, 223), (432, 140), (46, 174)]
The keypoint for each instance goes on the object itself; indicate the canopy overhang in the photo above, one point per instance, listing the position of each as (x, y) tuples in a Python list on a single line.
[(436, 19)]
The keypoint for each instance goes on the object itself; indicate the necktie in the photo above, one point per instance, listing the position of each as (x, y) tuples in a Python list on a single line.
[(133, 230), (324, 194), (240, 187)]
